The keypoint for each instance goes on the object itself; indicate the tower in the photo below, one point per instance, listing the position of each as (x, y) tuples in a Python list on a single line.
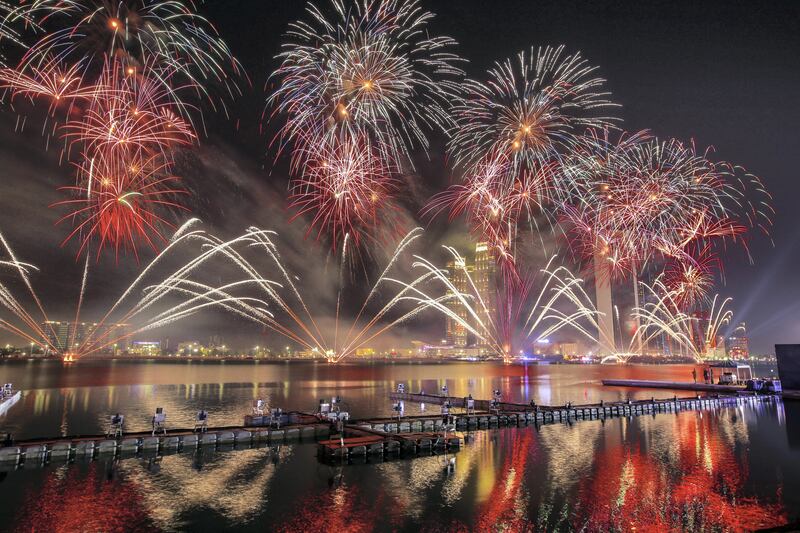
[(485, 277), (455, 332)]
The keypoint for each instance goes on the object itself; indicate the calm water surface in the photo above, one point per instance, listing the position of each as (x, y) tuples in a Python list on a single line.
[(734, 469)]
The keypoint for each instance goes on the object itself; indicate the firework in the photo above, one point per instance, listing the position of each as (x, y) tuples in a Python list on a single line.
[(129, 110), (690, 276), (521, 315), (53, 81), (294, 319), (123, 76), (372, 68), (347, 189), (641, 199), (663, 316), (140, 308), (494, 203), (529, 109), (121, 200), (86, 33), (511, 133), (369, 77)]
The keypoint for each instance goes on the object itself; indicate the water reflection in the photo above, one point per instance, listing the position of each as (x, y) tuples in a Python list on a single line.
[(733, 469), (691, 471)]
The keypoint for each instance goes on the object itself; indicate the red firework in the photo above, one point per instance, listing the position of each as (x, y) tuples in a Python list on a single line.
[(129, 109), (121, 201), (496, 198), (348, 188), (691, 276), (641, 199)]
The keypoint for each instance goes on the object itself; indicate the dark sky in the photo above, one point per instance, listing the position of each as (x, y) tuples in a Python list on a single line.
[(726, 74)]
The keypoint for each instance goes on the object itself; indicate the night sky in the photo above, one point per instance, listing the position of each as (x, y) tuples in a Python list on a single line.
[(726, 74)]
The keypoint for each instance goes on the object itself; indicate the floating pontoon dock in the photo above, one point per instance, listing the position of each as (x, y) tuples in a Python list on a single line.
[(407, 434)]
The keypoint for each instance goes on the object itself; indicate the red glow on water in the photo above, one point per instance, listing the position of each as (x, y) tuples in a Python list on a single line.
[(632, 488), (83, 501)]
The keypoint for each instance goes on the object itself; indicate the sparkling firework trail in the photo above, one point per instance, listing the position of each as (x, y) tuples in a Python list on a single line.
[(663, 316), (296, 321), (128, 316), (523, 315)]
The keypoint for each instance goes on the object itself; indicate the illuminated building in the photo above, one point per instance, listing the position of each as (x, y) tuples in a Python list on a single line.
[(147, 348), (483, 273), (61, 334), (455, 332), (737, 345), (485, 277)]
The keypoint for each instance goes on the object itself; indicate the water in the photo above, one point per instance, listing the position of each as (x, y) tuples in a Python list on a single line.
[(728, 469)]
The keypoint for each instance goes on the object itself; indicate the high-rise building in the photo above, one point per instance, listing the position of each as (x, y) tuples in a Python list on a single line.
[(455, 332), (485, 278), (71, 335), (737, 345), (483, 272)]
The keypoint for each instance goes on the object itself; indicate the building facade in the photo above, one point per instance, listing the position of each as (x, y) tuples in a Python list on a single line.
[(737, 345), (102, 338)]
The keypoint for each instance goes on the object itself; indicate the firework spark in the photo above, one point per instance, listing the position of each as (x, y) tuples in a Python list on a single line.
[(641, 199), (179, 295), (663, 316), (521, 315)]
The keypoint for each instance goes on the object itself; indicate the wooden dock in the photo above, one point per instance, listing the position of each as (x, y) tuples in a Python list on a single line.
[(507, 413), (408, 435), (355, 441), (674, 385), (43, 450)]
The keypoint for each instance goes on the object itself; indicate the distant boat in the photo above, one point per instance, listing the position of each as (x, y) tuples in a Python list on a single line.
[(9, 402)]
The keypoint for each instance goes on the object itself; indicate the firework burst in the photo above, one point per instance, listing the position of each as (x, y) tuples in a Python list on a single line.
[(511, 134), (122, 201), (641, 199), (86, 33), (690, 276), (373, 68), (531, 109), (368, 77), (494, 204), (129, 109), (346, 190)]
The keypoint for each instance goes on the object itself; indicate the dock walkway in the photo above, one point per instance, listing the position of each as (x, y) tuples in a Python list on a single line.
[(382, 435), (674, 385)]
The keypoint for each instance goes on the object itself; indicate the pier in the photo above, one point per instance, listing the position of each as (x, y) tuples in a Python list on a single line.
[(674, 385), (384, 436)]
